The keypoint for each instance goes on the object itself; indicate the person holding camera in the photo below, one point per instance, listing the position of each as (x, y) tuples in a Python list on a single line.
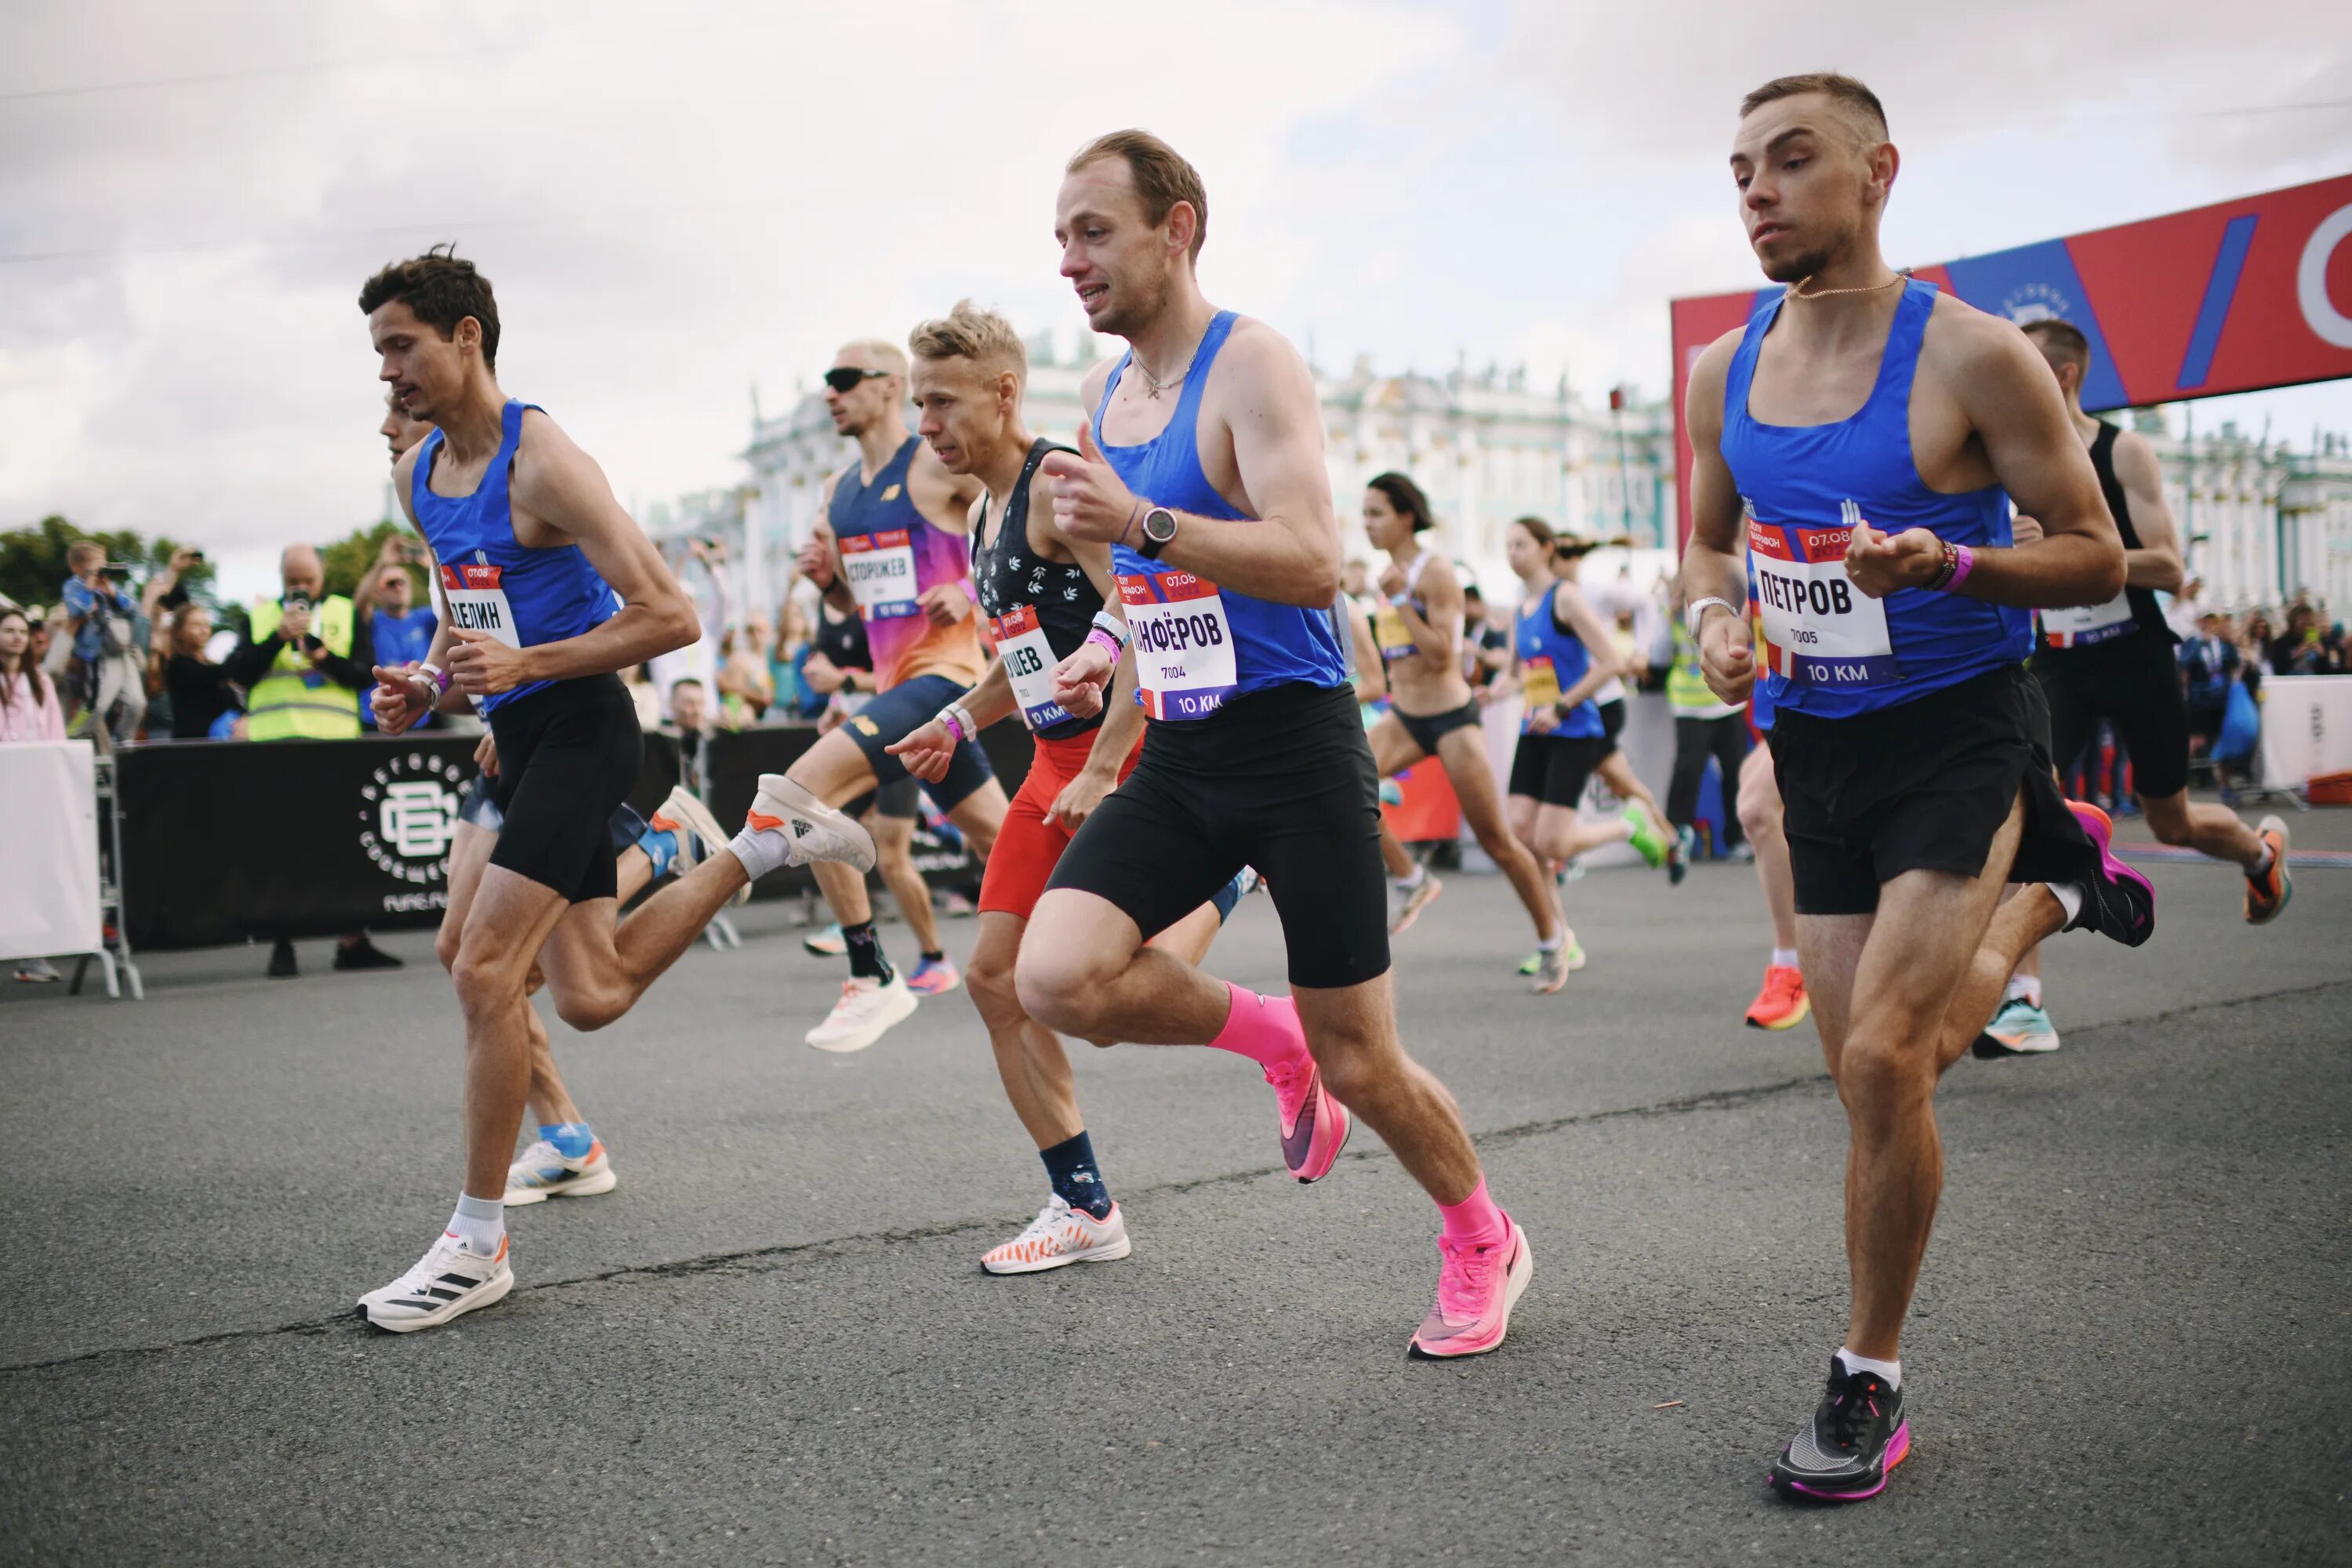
[(103, 676), (398, 629), (301, 684)]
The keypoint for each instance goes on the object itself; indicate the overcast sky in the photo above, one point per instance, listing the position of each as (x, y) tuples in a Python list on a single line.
[(680, 203)]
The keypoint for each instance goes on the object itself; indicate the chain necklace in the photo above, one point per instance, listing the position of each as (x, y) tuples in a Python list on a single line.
[(1799, 292), (1152, 386)]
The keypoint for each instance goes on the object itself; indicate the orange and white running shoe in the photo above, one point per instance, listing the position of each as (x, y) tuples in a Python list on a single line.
[(805, 827), (2267, 894), (1782, 1004), (542, 1172), (1476, 1289), (698, 833), (447, 1282), (1059, 1237)]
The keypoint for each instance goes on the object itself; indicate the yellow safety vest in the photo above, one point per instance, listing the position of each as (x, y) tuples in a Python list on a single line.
[(1685, 687), (294, 701)]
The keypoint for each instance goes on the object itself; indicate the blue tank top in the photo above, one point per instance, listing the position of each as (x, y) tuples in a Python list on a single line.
[(1272, 645), (519, 593), (1550, 661), (1828, 650)]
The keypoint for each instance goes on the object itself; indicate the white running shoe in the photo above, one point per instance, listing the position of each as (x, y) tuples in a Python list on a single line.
[(699, 837), (447, 1281), (544, 1172), (813, 830), (866, 1008), (1059, 1237)]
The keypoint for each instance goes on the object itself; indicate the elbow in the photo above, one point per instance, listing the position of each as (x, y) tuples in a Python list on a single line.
[(1320, 588), (683, 624), (2170, 574)]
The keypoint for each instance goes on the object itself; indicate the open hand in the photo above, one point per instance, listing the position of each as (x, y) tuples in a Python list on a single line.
[(484, 665), (1080, 679), (1090, 500), (1879, 563)]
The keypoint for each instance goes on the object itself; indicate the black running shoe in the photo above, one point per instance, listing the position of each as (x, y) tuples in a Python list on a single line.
[(282, 963), (362, 953), (1854, 1439), (2117, 901)]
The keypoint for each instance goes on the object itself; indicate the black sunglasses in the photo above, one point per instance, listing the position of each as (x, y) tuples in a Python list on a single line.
[(845, 379)]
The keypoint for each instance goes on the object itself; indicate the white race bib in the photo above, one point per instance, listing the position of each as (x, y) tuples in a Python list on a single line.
[(881, 572), (1029, 663), (1819, 628), (478, 601), (2082, 625), (1184, 662)]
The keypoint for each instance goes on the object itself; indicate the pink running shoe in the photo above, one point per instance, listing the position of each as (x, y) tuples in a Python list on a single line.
[(1314, 1127), (1476, 1289)]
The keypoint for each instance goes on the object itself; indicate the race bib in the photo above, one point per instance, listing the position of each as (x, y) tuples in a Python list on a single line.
[(478, 601), (2082, 625), (1540, 683), (1389, 631), (1819, 628), (1185, 665), (1029, 663), (881, 572)]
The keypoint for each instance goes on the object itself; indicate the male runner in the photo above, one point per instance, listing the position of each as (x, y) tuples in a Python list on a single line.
[(567, 1159), (2114, 661), (1431, 713), (1043, 593), (550, 587), (1864, 429), (1209, 483), (889, 546)]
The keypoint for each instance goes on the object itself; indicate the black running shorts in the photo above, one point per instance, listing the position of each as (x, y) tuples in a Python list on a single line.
[(898, 713), (1612, 720), (1922, 787), (568, 757), (901, 798), (1553, 769), (1426, 732), (2135, 684), (1280, 779)]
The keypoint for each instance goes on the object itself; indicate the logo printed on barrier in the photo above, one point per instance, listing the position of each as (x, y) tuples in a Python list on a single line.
[(408, 815), (2037, 302)]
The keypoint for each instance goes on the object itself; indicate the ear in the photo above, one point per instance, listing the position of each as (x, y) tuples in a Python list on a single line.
[(469, 335), (1183, 221), (1885, 163)]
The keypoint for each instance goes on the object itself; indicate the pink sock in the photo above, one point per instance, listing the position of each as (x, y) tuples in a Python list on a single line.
[(1263, 1028), (1475, 1221)]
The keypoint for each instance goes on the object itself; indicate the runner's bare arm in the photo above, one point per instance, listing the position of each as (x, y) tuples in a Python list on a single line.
[(1289, 552), (1122, 715), (820, 558), (1438, 638), (1715, 559), (2156, 563), (945, 500), (1601, 664), (2004, 388), (400, 702), (1371, 675), (561, 486)]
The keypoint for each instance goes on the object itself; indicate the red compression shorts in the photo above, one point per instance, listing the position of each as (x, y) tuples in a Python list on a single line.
[(1031, 842)]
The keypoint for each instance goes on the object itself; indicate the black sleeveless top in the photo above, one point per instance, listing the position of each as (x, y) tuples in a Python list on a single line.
[(2145, 613), (1007, 576)]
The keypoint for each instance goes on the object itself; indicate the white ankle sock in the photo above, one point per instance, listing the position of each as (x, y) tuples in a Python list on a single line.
[(1891, 1371), (762, 850), (2070, 898), (481, 1224), (2026, 986), (1784, 958), (1412, 879)]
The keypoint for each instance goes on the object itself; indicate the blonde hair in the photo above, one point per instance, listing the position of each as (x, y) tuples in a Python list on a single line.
[(983, 337), (887, 356)]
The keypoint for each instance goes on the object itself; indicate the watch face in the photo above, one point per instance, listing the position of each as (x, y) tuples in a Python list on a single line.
[(1160, 524)]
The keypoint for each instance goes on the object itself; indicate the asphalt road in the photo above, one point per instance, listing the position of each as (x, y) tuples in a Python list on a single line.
[(774, 1343)]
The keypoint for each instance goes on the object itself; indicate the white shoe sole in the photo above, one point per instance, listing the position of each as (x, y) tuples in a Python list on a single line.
[(901, 1004), (1104, 1254), (489, 1295), (856, 848), (603, 1181), (697, 819)]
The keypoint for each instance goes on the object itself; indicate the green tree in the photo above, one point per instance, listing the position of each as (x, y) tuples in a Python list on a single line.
[(33, 569), (348, 559)]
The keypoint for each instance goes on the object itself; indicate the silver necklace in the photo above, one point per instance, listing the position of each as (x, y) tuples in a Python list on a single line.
[(1152, 386)]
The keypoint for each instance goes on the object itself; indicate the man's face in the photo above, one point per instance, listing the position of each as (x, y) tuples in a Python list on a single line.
[(399, 431), (686, 709), (425, 370), (866, 404), (395, 591), (1806, 191), (301, 574), (1121, 265), (962, 411)]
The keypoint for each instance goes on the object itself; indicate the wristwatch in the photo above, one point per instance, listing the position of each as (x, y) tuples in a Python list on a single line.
[(1159, 532)]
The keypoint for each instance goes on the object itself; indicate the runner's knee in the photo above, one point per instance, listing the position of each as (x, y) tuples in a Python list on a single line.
[(1883, 1072), (990, 979), (590, 1011), (1059, 988), (2168, 819)]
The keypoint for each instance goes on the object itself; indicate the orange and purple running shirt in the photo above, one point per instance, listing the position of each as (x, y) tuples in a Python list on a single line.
[(890, 557)]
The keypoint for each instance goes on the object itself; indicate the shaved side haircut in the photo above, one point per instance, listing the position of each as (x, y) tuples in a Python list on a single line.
[(1855, 104), (887, 355), (983, 337), (2060, 343), (1162, 177)]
